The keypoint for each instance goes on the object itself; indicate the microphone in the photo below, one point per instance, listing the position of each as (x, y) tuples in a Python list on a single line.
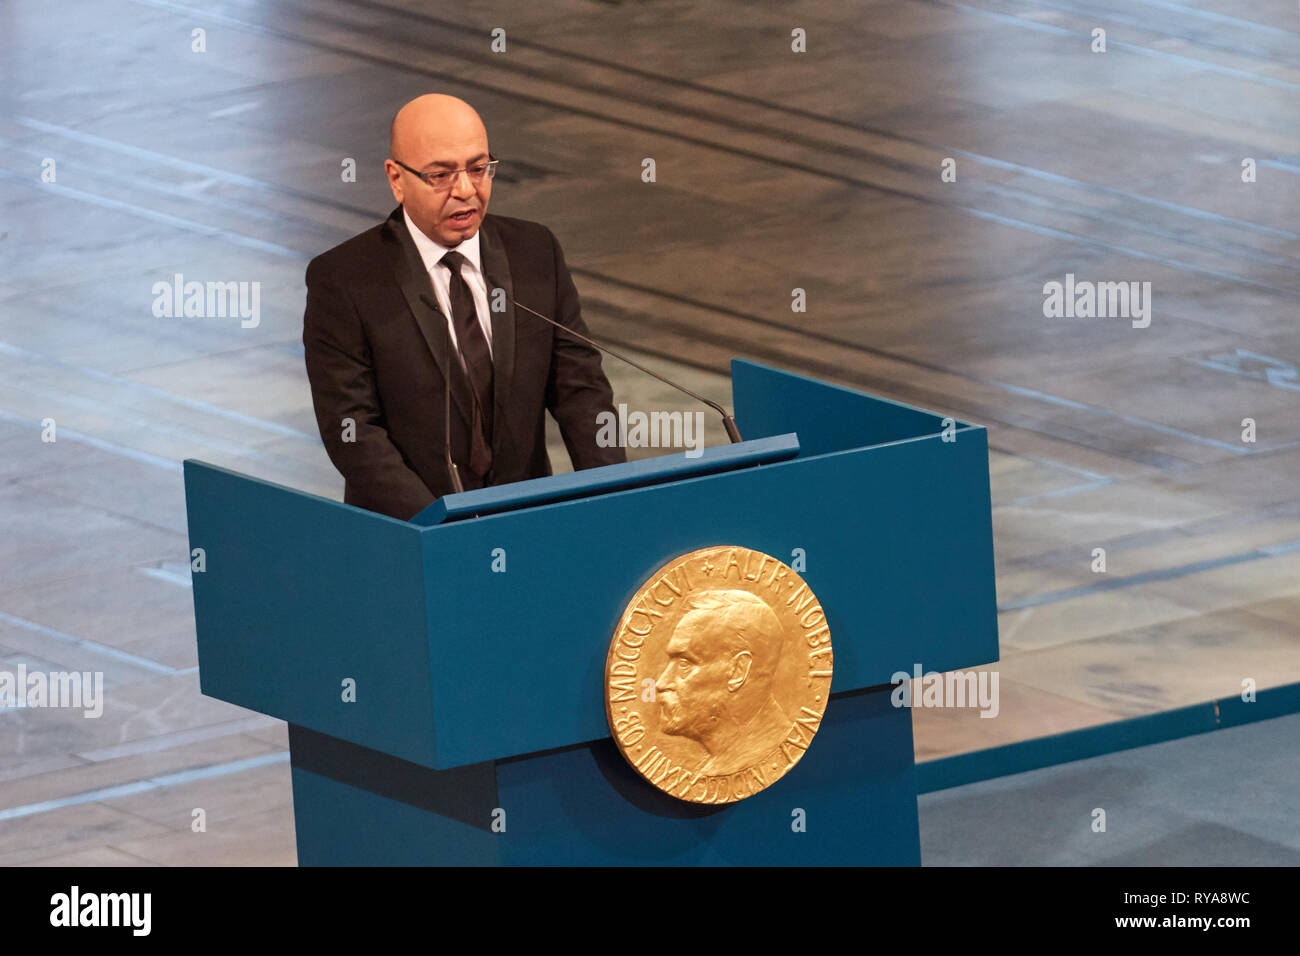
[(728, 422), (452, 469)]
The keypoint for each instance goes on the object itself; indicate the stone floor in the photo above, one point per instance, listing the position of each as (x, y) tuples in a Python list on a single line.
[(1228, 798)]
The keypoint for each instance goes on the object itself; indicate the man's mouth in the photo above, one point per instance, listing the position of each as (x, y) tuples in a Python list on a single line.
[(462, 218)]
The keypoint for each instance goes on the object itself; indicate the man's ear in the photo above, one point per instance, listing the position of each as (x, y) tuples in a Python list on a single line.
[(739, 670), (394, 173)]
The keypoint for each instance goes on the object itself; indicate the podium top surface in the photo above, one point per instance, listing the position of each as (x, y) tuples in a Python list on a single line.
[(606, 479)]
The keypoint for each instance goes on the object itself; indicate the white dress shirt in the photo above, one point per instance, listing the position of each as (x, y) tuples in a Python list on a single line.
[(472, 271)]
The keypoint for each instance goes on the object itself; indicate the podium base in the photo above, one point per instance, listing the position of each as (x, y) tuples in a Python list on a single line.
[(584, 806)]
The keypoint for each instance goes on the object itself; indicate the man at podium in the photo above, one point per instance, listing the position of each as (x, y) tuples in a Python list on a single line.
[(419, 362)]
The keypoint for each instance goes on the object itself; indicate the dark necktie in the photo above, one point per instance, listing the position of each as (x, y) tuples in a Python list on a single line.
[(477, 361)]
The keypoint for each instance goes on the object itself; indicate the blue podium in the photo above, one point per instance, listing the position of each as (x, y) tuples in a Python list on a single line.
[(443, 677)]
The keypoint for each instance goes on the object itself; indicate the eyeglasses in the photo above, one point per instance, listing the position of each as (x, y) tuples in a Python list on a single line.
[(442, 179)]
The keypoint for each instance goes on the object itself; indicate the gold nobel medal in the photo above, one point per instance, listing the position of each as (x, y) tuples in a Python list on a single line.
[(718, 674)]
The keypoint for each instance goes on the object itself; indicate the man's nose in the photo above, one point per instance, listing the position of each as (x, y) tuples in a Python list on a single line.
[(462, 186)]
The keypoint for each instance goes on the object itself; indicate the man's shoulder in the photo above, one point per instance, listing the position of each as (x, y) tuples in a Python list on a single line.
[(357, 255)]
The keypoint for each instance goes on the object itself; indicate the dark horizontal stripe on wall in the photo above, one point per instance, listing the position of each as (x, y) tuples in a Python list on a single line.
[(1107, 738)]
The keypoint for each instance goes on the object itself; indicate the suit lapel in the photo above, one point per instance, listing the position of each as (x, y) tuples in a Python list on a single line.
[(413, 279), (496, 270)]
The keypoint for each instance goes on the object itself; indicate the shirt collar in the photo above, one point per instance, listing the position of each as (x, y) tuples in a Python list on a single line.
[(431, 251)]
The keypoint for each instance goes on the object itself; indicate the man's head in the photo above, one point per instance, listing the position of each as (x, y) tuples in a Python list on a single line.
[(721, 658), (432, 133)]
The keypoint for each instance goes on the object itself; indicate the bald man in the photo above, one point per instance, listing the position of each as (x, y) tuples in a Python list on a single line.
[(421, 306)]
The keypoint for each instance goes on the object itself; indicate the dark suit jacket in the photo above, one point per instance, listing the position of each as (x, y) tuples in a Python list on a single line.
[(377, 354)]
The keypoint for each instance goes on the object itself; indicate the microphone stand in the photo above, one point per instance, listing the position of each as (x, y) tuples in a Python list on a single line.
[(728, 422), (452, 468)]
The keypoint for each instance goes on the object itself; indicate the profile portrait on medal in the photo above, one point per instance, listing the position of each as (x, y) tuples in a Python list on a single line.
[(717, 685)]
